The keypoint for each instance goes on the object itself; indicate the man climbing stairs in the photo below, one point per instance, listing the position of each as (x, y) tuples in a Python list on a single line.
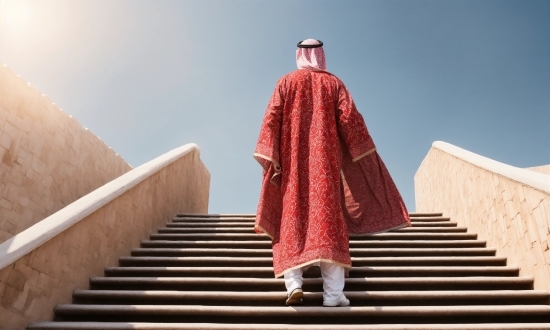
[(214, 272)]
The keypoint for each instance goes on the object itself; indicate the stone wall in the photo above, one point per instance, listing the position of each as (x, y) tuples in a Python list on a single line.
[(545, 169), (47, 159), (32, 286), (511, 216)]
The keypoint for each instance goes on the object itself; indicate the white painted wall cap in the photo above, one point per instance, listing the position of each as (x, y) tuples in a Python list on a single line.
[(38, 234), (536, 180)]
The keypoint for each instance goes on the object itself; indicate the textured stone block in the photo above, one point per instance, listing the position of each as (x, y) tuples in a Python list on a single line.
[(10, 296), (16, 279), (5, 140)]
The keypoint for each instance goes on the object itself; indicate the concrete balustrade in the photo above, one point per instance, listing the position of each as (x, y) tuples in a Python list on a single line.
[(70, 205), (45, 263), (507, 206)]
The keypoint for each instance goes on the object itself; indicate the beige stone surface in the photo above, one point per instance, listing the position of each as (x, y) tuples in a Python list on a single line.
[(544, 169), (512, 217), (32, 286), (47, 159)]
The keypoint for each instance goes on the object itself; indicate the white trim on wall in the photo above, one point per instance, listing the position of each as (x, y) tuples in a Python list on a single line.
[(536, 180), (38, 234)]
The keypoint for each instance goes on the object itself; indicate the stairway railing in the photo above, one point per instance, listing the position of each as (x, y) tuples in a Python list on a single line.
[(41, 266), (507, 206)]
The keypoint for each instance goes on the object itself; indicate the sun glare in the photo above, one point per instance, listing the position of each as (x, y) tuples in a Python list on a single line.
[(15, 15)]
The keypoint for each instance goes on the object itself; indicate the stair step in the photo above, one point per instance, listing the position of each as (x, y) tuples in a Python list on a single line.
[(430, 219), (357, 244), (209, 224), (313, 272), (355, 252), (226, 215), (214, 219), (201, 222), (250, 229), (434, 224), (356, 261), (305, 314), (244, 215), (250, 221), (314, 284), (256, 237), (206, 244), (425, 214), (358, 298), (425, 229), (249, 224), (248, 326)]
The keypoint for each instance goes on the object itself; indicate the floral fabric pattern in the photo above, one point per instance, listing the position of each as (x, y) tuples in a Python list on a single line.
[(323, 179)]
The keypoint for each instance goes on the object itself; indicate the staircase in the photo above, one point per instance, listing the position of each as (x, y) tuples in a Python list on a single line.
[(214, 272)]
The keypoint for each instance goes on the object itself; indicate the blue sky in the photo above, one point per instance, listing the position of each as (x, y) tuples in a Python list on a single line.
[(149, 76)]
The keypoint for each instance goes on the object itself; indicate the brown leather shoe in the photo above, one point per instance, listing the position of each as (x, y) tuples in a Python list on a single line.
[(295, 297)]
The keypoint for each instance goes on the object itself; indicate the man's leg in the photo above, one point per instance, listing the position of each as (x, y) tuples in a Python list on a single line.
[(293, 283), (333, 285)]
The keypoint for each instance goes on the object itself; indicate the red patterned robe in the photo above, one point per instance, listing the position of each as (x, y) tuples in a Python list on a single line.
[(323, 179)]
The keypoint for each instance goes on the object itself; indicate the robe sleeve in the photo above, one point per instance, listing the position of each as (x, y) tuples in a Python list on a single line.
[(351, 126), (267, 148)]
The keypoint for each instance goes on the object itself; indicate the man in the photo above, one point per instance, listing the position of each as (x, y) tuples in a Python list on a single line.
[(323, 179)]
